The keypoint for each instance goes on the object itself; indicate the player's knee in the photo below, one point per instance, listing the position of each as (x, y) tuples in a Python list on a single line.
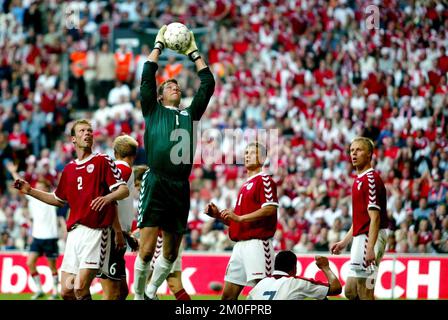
[(146, 256), (82, 294), (67, 294), (30, 264), (171, 257), (124, 291), (366, 294), (114, 295), (350, 292)]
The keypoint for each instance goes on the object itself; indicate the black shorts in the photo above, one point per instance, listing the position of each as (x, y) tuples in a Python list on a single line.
[(47, 247), (114, 267), (164, 203)]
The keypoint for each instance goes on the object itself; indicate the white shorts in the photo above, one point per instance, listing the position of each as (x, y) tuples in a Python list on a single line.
[(86, 248), (177, 265), (251, 260), (358, 267)]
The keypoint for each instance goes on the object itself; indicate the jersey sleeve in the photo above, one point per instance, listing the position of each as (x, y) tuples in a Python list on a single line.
[(268, 192), (112, 173), (203, 95), (373, 188), (61, 190), (309, 288), (148, 87), (125, 171)]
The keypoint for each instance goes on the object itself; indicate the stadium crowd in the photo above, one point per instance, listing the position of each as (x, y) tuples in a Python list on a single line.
[(314, 70)]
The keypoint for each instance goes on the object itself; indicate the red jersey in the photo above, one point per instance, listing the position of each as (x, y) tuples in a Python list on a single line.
[(368, 192), (83, 181), (258, 191)]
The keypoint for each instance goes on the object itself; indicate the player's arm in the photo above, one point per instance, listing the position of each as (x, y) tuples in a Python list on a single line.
[(207, 87), (12, 168), (337, 247), (121, 192), (47, 197), (148, 87), (119, 237), (63, 226), (261, 213), (213, 211), (335, 286), (374, 228)]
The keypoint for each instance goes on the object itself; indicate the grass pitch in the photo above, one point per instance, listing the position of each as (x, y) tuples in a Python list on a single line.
[(27, 296)]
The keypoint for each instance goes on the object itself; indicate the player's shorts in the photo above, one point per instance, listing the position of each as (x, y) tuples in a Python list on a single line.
[(251, 260), (47, 247), (114, 267), (164, 202), (358, 268), (86, 248), (177, 265)]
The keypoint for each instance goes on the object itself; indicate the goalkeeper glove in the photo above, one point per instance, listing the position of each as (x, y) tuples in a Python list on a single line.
[(192, 50), (160, 39)]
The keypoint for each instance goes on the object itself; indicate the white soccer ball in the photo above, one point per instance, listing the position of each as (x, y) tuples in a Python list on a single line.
[(177, 36)]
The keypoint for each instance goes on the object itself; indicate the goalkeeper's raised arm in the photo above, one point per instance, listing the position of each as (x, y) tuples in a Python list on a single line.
[(205, 92), (148, 87)]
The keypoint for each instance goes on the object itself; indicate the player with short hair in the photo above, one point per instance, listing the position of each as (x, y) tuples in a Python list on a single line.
[(45, 235), (252, 225), (369, 226), (90, 185), (285, 285), (113, 277), (165, 190)]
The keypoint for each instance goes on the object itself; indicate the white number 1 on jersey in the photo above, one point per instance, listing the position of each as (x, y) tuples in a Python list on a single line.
[(79, 183), (239, 200)]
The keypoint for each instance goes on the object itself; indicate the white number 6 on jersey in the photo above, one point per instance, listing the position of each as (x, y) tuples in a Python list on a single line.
[(79, 183)]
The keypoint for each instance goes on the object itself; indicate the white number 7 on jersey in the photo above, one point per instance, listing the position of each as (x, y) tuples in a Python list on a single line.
[(79, 183), (270, 294)]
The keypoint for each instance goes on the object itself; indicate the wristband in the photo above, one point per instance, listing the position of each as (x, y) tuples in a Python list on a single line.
[(159, 45), (194, 55)]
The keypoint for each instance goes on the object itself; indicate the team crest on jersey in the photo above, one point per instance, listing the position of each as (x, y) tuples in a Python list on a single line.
[(90, 168), (249, 186), (184, 113)]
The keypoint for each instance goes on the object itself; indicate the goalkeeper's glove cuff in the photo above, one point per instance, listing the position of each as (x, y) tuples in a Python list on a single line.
[(194, 55), (160, 46)]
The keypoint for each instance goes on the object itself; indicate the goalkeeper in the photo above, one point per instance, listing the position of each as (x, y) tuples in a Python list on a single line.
[(164, 200)]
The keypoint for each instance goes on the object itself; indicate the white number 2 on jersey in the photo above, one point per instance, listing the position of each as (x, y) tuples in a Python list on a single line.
[(79, 183)]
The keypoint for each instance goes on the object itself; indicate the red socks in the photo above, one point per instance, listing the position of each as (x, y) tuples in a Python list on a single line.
[(182, 295)]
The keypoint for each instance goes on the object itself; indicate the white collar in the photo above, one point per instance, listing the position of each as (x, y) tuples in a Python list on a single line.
[(254, 176), (122, 162), (171, 108), (79, 162), (280, 273), (365, 172)]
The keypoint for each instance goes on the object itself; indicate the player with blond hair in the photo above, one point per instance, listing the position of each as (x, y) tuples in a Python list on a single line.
[(113, 277), (369, 227)]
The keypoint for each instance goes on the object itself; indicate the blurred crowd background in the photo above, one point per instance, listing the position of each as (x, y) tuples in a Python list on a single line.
[(313, 69)]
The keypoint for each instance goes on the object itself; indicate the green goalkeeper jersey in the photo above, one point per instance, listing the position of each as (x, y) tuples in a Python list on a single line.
[(169, 131)]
